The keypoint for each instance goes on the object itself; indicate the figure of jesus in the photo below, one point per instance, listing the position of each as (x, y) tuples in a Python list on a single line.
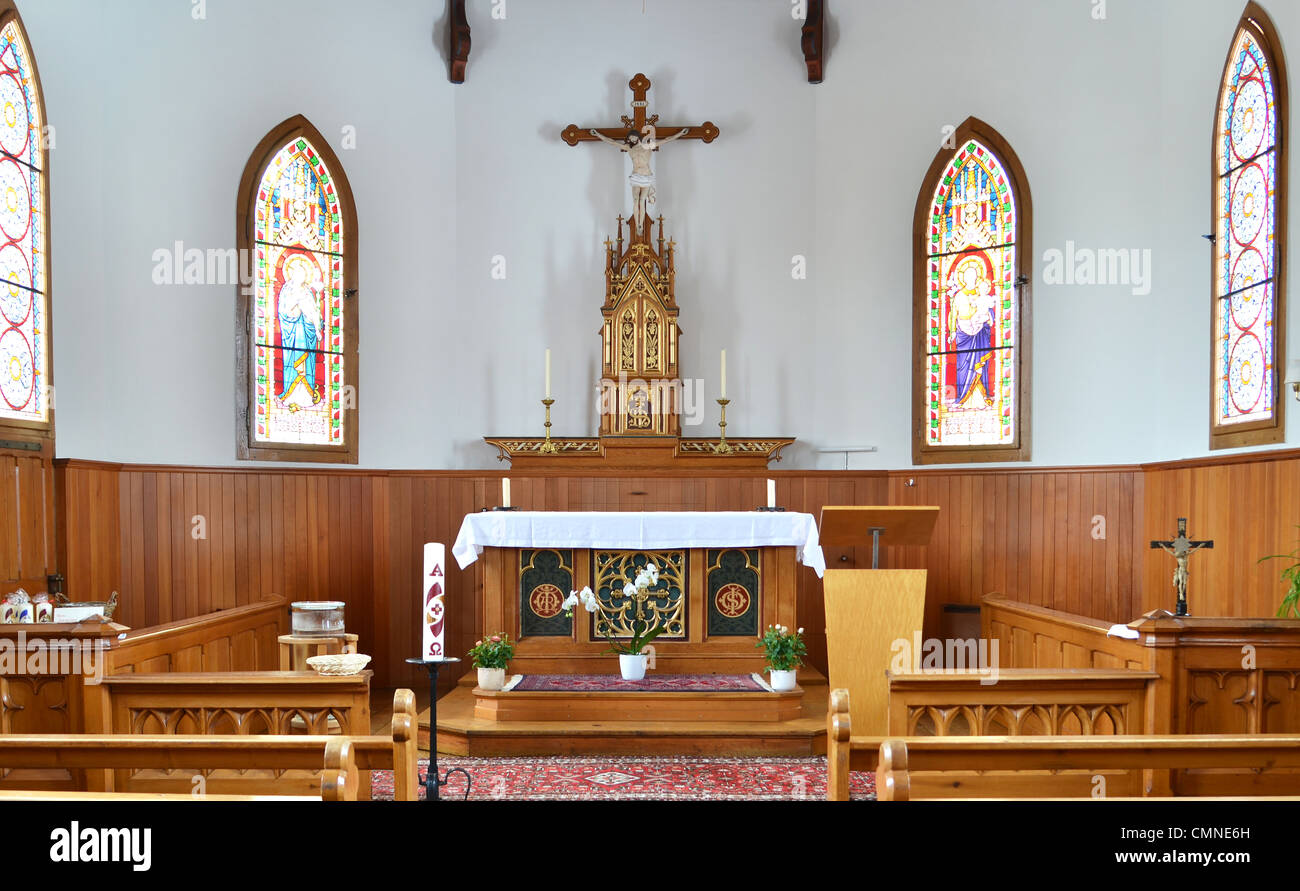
[(639, 146), (1182, 551)]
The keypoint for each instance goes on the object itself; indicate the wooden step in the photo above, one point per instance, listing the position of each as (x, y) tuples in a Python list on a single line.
[(460, 732), (586, 705)]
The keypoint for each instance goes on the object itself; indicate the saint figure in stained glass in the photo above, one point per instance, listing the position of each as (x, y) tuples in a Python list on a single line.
[(971, 308), (297, 312)]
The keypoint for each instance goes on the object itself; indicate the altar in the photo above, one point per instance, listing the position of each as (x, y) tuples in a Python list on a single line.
[(723, 578)]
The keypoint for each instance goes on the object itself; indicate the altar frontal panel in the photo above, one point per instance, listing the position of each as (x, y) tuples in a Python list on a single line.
[(734, 579), (664, 605), (545, 579)]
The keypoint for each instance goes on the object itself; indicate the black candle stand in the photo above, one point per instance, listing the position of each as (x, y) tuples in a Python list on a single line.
[(432, 780)]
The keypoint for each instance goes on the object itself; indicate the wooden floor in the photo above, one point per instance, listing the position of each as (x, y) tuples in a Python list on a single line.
[(460, 733)]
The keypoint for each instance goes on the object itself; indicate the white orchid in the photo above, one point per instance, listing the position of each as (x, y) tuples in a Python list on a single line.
[(629, 590), (586, 597)]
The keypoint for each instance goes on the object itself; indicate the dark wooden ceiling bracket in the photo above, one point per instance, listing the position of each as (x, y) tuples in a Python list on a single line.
[(813, 43), (457, 40)]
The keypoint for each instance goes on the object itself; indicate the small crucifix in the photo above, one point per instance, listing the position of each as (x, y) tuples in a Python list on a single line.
[(1181, 547), (638, 138)]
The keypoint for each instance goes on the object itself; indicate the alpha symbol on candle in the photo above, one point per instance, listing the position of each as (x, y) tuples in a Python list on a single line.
[(548, 374), (724, 374)]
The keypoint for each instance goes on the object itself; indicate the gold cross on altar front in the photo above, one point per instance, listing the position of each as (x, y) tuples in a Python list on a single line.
[(640, 85)]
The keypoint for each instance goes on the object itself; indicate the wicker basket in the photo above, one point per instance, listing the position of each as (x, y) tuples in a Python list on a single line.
[(343, 664)]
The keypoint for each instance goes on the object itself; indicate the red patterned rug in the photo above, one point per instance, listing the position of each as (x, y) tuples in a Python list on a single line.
[(635, 779), (659, 683)]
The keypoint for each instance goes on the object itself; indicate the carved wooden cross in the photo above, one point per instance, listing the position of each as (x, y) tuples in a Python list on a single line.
[(1181, 547), (640, 85)]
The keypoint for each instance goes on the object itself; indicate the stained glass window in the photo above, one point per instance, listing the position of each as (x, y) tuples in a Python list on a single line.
[(971, 317), (299, 369), (1248, 132), (24, 310)]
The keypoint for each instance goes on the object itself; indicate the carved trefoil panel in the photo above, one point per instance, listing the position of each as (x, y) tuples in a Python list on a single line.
[(664, 605)]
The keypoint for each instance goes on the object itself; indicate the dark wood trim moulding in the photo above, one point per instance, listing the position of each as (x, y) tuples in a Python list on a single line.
[(812, 40), (486, 473), (1257, 456), (977, 470)]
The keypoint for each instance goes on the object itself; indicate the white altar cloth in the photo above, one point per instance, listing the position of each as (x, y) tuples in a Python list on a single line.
[(639, 530)]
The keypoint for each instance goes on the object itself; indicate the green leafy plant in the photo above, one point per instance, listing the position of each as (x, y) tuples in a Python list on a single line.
[(494, 651), (784, 649), (1290, 607), (642, 632)]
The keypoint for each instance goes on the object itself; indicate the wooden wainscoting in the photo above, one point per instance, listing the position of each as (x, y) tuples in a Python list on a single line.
[(1249, 505), (177, 542), (1066, 538), (28, 544)]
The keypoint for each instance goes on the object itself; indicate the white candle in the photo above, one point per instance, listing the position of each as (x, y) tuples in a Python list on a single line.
[(505, 491), (548, 374), (433, 610), (771, 493), (724, 375)]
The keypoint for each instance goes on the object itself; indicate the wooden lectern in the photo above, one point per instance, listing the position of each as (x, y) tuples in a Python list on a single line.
[(867, 610)]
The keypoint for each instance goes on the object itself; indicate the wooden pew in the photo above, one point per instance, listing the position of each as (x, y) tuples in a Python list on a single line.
[(1065, 765), (346, 768), (900, 758)]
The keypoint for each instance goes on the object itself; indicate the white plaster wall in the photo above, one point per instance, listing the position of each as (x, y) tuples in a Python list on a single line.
[(156, 113)]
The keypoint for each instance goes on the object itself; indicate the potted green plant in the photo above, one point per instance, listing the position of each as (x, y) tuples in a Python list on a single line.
[(632, 657), (491, 655), (1290, 607), (785, 651)]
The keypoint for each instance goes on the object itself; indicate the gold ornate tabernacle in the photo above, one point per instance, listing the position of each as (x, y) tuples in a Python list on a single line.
[(641, 388)]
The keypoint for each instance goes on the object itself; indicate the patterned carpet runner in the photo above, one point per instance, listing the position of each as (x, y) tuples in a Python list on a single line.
[(635, 779), (657, 683)]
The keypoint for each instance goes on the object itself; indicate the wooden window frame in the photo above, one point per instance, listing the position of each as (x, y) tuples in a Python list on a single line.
[(1019, 449), (13, 429), (1273, 430), (246, 446)]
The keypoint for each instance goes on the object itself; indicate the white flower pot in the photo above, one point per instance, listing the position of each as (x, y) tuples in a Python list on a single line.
[(632, 668), (491, 678), (783, 681)]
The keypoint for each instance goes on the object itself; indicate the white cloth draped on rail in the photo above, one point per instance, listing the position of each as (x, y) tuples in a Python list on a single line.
[(639, 530)]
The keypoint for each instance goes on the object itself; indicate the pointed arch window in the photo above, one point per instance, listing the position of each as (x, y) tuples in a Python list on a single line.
[(1250, 209), (297, 337), (972, 234), (26, 384)]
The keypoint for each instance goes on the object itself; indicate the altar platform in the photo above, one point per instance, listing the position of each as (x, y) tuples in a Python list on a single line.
[(728, 723)]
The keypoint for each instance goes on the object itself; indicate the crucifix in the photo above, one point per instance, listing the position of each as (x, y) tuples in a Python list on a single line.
[(638, 137), (1181, 547)]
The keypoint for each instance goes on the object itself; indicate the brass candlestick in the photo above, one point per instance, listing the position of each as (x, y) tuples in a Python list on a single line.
[(721, 447), (548, 447)]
